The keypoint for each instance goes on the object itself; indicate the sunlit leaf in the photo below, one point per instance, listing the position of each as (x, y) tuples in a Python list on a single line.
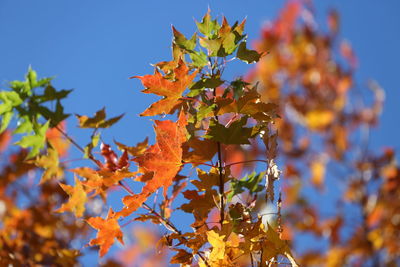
[(163, 160), (50, 164), (208, 26), (181, 40), (109, 229), (98, 120), (218, 245), (77, 199), (36, 141), (171, 90)]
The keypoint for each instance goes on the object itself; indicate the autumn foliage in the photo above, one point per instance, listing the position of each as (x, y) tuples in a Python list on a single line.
[(246, 159)]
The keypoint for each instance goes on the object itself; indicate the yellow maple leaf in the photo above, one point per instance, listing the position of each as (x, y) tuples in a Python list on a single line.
[(318, 172), (77, 199), (218, 245), (318, 119), (50, 164)]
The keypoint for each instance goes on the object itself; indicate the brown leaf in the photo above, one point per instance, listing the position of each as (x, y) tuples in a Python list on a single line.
[(182, 257)]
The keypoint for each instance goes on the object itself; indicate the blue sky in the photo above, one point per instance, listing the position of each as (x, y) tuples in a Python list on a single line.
[(93, 46)]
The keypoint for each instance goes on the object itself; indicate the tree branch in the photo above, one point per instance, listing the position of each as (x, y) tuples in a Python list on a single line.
[(167, 223)]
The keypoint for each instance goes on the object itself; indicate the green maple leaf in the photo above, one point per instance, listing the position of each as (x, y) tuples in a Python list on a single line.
[(36, 141), (208, 26), (250, 181), (50, 93), (50, 163), (9, 101), (199, 59), (182, 42), (246, 55), (212, 82), (236, 133)]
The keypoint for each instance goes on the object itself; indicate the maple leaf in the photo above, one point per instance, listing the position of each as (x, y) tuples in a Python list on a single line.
[(98, 120), (111, 159), (108, 228), (50, 163), (134, 151), (225, 39), (251, 182), (208, 26), (114, 169), (218, 245), (163, 160), (93, 179), (249, 104), (247, 55), (37, 141), (319, 119), (181, 40), (208, 180), (275, 246), (203, 151), (169, 66), (100, 180), (200, 204), (77, 199), (182, 257), (233, 134), (171, 90), (110, 173)]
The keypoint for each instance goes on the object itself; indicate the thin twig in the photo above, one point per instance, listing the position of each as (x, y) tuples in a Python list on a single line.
[(279, 205), (167, 223), (163, 220), (194, 99), (199, 163), (70, 139), (247, 161), (98, 163), (220, 167)]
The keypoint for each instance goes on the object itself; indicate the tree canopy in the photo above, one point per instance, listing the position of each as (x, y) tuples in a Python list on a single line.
[(258, 164)]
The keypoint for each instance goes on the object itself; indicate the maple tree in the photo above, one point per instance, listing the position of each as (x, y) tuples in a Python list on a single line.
[(225, 131)]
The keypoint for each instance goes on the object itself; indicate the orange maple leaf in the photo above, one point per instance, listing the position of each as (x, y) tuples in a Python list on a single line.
[(109, 229), (171, 90), (163, 160)]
